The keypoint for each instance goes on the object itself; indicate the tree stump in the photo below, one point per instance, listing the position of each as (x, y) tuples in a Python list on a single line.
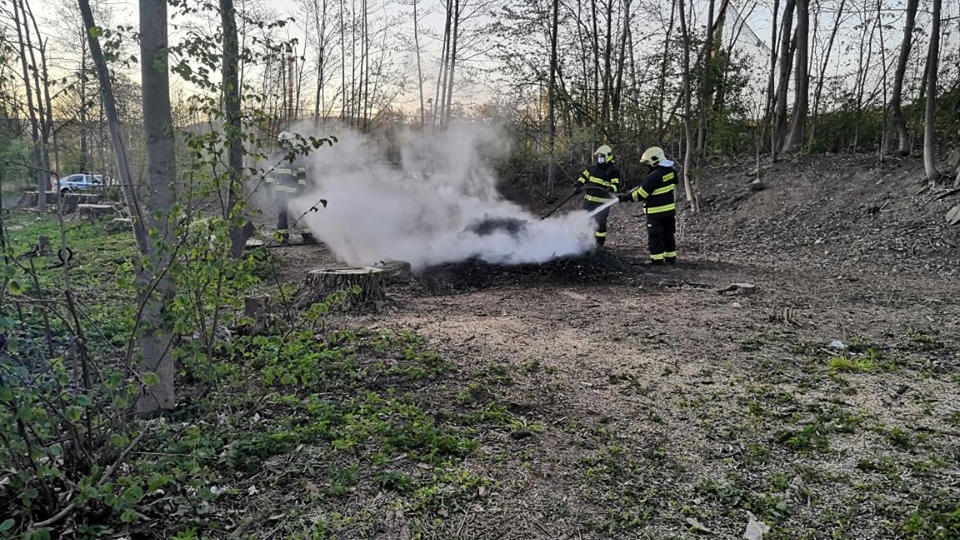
[(69, 203), (395, 271), (320, 284), (95, 211), (256, 309)]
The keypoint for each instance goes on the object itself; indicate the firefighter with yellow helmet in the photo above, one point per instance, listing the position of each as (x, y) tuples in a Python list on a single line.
[(286, 181), (657, 192), (600, 182)]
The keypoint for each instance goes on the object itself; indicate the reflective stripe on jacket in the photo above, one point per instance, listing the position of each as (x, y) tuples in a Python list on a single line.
[(288, 176), (601, 182), (657, 190)]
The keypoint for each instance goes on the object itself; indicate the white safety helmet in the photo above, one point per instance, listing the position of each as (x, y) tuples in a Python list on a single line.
[(653, 156), (604, 151)]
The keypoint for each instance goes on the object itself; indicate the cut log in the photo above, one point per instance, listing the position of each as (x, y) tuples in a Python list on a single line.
[(319, 285), (95, 211), (119, 224), (395, 271)]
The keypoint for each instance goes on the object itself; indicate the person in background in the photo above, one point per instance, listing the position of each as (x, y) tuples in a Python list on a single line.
[(657, 191), (600, 181), (286, 181)]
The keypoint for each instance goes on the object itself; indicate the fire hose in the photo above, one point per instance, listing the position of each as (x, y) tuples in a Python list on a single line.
[(557, 207)]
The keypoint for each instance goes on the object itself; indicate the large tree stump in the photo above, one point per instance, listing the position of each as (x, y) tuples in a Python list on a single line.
[(320, 284)]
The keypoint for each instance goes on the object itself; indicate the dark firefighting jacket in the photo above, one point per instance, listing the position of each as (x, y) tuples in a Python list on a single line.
[(289, 176), (657, 191), (600, 182)]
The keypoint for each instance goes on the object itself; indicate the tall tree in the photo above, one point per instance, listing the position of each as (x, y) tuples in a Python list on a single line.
[(552, 95), (818, 91), (930, 116), (233, 127), (786, 63), (896, 98), (801, 94), (156, 342), (42, 176)]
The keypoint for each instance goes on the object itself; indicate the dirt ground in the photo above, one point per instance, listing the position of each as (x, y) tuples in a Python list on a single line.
[(824, 400)]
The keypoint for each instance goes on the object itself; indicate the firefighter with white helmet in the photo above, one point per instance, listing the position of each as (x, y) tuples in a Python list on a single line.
[(286, 181), (600, 181), (657, 191)]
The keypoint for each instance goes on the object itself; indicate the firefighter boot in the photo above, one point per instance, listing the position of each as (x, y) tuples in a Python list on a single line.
[(308, 238)]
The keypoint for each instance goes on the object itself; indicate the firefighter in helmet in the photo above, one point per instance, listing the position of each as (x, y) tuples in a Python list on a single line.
[(286, 181), (657, 191), (600, 182)]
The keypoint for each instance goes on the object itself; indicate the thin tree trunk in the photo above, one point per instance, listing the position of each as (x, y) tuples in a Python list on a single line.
[(416, 42), (41, 175), (453, 61), (662, 82), (703, 96), (786, 63), (441, 93), (552, 97), (823, 71), (896, 99), (687, 110), (883, 60), (801, 93), (930, 116), (769, 109), (234, 127)]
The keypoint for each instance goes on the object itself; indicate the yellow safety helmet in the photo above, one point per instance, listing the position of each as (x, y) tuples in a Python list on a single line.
[(604, 151), (653, 156)]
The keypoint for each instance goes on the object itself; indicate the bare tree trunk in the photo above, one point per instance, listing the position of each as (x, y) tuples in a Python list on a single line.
[(896, 99), (156, 340), (863, 71), (882, 150), (441, 93), (929, 121), (41, 175), (801, 78), (416, 43), (786, 63), (687, 113), (233, 127), (662, 81), (453, 60), (823, 70), (769, 108), (552, 97), (43, 77), (703, 96), (595, 35)]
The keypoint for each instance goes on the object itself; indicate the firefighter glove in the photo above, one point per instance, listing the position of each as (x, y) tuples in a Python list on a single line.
[(625, 197), (578, 188)]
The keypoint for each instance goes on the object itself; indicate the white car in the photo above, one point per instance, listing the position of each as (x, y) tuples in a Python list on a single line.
[(81, 182)]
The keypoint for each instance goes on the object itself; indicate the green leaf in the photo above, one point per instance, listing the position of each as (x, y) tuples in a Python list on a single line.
[(7, 525), (151, 379), (96, 32), (14, 287)]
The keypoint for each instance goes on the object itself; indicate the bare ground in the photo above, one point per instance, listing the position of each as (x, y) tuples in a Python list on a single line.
[(653, 403)]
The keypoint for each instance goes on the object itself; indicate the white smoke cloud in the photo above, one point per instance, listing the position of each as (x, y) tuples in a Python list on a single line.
[(426, 211)]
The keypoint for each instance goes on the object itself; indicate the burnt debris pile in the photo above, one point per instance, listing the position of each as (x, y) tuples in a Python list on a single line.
[(598, 268)]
